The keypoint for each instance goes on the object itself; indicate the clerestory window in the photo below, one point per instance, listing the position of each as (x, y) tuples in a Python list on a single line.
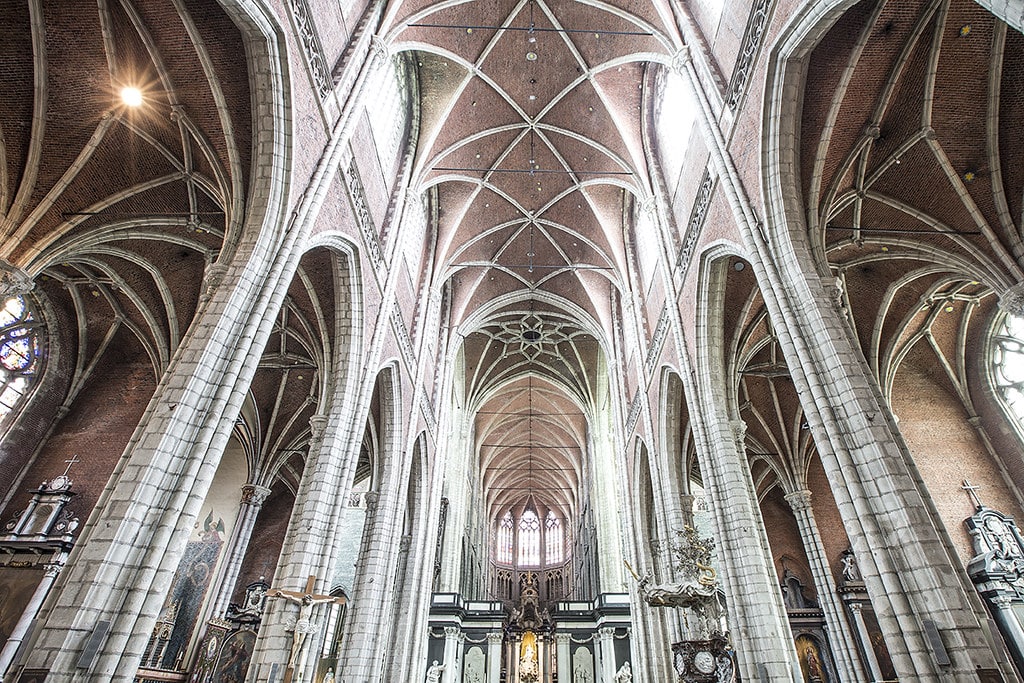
[(530, 541), (1008, 365), (20, 349)]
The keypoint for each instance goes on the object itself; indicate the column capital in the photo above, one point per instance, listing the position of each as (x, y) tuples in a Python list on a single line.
[(681, 59), (254, 494), (495, 638), (739, 433), (371, 498), (317, 427), (52, 569), (1002, 601), (799, 501), (563, 638), (1012, 300), (452, 632), (380, 48), (14, 281)]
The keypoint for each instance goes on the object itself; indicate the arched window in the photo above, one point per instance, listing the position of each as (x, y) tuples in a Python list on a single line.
[(503, 551), (554, 540), (19, 353), (1008, 365), (529, 539)]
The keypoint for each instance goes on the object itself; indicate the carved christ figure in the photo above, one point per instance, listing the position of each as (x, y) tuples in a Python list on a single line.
[(303, 624)]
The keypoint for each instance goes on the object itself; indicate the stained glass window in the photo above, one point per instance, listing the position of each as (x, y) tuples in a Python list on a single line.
[(554, 540), (1008, 357), (529, 539), (505, 533), (19, 353)]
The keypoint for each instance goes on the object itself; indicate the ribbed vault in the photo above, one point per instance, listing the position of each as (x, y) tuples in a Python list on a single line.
[(118, 210), (531, 144), (533, 382)]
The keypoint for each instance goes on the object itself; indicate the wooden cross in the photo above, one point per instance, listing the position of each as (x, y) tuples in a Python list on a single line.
[(972, 491), (305, 600)]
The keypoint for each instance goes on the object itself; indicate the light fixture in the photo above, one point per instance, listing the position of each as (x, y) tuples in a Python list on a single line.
[(131, 96)]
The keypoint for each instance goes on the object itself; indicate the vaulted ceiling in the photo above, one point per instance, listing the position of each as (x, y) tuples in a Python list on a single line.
[(911, 177), (531, 142)]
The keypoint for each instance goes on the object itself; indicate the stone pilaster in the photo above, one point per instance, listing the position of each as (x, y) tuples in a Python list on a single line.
[(604, 641), (453, 639), (563, 661), (494, 641)]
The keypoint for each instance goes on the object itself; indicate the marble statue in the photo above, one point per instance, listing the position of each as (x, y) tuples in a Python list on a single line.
[(434, 672)]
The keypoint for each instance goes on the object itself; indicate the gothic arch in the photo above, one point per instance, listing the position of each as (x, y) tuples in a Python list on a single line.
[(727, 476)]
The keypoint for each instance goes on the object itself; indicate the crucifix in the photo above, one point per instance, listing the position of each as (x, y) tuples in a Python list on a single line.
[(972, 491), (303, 625), (74, 460)]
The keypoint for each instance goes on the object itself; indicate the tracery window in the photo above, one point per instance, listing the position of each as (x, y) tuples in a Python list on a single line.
[(1008, 365), (529, 539), (388, 110), (554, 539), (503, 552), (19, 353)]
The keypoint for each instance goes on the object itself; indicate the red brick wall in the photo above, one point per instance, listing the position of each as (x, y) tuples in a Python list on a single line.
[(98, 427), (267, 538), (946, 448), (826, 515)]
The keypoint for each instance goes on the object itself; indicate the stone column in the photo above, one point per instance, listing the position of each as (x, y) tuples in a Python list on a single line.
[(605, 641), (757, 618), (515, 646), (253, 497), (905, 556), (368, 632), (663, 624), (20, 630), (841, 638), (494, 641), (1009, 623), (543, 656), (110, 597), (865, 640), (310, 524), (453, 639)]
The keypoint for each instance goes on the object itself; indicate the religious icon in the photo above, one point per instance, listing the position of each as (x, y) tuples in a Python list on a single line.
[(811, 665), (528, 665)]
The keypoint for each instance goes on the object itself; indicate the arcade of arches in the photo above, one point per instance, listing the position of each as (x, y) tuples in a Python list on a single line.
[(511, 341)]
